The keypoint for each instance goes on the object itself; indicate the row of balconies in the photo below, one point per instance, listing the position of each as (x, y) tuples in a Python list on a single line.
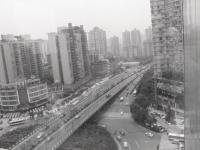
[(38, 98), (35, 94), (37, 88)]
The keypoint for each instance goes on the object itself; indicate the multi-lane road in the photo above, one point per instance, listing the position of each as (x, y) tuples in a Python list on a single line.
[(117, 117), (64, 127)]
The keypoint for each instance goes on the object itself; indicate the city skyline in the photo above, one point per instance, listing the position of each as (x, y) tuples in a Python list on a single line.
[(39, 18)]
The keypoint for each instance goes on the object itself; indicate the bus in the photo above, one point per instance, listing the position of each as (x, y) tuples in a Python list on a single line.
[(174, 136), (17, 121)]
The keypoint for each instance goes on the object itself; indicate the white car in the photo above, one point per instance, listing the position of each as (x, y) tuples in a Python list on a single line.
[(121, 98), (77, 116), (127, 103), (102, 125), (149, 134), (121, 113), (125, 144), (40, 135)]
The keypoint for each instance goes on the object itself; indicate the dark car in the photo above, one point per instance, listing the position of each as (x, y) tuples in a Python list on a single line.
[(122, 132)]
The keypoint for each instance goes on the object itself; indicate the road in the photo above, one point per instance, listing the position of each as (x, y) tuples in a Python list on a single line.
[(135, 134), (63, 126)]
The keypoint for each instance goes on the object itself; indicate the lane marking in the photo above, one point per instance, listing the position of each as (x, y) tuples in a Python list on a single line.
[(137, 144)]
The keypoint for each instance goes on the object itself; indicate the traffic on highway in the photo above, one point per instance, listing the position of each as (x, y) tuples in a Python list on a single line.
[(118, 121), (75, 109)]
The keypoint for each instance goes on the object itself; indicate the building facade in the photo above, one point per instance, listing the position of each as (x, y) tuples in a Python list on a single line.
[(20, 58), (23, 95), (97, 42), (136, 43), (69, 54), (192, 73), (100, 68), (167, 29), (147, 43), (126, 44), (114, 45)]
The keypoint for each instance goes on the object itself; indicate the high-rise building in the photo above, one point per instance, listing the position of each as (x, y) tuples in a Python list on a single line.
[(114, 45), (147, 43), (192, 73), (136, 43), (69, 54), (167, 27), (126, 43), (20, 58), (97, 42)]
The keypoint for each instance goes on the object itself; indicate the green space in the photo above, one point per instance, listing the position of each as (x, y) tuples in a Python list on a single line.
[(144, 98), (90, 137), (10, 138)]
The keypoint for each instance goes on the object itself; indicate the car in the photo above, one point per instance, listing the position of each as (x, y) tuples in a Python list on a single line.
[(162, 130), (108, 95), (163, 117), (1, 128), (126, 103), (149, 134), (102, 125), (125, 144), (118, 137), (122, 132), (121, 98), (77, 116), (121, 113), (40, 135)]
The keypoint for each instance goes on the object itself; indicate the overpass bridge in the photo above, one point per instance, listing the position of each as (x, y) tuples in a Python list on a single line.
[(57, 130)]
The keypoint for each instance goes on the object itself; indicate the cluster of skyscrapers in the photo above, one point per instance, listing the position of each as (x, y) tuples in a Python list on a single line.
[(20, 58), (69, 56), (134, 46)]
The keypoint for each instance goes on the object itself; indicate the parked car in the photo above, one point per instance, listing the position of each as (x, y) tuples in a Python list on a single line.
[(149, 134), (119, 138), (125, 144), (122, 132), (121, 99)]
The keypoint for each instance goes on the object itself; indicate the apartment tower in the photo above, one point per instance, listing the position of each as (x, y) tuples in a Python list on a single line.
[(69, 54)]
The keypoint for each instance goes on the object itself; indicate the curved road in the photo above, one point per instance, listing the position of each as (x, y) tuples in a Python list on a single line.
[(135, 134)]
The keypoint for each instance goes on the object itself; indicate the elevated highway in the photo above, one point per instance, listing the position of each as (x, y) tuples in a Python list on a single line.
[(57, 130)]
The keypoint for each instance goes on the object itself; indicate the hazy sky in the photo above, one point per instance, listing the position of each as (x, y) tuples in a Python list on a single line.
[(38, 17)]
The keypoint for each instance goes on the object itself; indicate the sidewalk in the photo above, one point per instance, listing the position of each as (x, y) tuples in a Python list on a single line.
[(165, 144)]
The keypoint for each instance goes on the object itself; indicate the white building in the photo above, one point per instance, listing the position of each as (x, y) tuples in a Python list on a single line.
[(97, 42), (136, 43), (126, 43), (20, 58), (68, 52)]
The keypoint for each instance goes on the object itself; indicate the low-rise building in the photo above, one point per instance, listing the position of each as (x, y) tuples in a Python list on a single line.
[(100, 68), (23, 95)]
